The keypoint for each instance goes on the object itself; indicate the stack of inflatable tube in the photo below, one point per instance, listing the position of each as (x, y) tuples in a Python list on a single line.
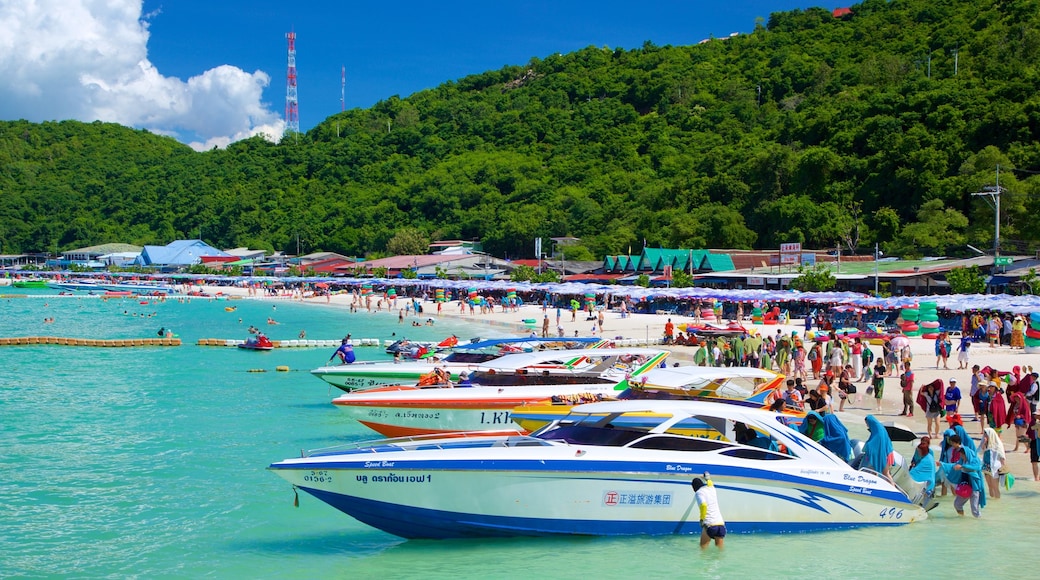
[(928, 320), (756, 315), (1032, 340), (707, 314), (909, 325)]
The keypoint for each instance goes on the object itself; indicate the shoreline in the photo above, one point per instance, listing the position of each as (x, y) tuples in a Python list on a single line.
[(651, 327)]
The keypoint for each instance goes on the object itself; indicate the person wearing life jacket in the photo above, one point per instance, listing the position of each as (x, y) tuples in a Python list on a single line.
[(436, 378)]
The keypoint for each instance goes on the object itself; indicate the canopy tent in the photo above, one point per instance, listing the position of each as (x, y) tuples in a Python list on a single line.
[(951, 302)]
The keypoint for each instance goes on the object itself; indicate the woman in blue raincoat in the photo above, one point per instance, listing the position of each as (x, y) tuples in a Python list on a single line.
[(878, 453), (922, 465), (964, 473), (836, 437)]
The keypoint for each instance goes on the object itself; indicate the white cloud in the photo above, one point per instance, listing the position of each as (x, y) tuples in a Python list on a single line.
[(88, 60)]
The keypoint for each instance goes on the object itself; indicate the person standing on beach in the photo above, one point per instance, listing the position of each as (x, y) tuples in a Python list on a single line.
[(906, 382), (962, 351), (866, 358), (952, 398), (669, 332), (878, 382), (545, 326), (816, 360), (993, 331), (856, 358), (713, 527), (978, 383)]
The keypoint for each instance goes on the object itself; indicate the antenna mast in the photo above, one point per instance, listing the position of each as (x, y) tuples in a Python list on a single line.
[(342, 89), (292, 107)]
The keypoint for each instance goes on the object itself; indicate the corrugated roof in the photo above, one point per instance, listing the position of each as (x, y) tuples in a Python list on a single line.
[(717, 263), (178, 253)]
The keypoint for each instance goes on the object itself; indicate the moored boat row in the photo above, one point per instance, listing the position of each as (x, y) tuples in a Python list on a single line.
[(459, 464)]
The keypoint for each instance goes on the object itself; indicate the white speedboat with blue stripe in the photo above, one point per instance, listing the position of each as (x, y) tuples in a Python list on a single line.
[(592, 474)]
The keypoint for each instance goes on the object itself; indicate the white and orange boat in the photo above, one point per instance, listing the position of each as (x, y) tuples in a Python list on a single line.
[(486, 404)]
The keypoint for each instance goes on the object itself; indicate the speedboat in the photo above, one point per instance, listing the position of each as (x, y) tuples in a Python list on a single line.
[(258, 342), (747, 386), (29, 283), (486, 405), (469, 357), (591, 474)]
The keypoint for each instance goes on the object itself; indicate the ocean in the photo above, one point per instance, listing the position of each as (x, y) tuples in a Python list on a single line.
[(150, 462)]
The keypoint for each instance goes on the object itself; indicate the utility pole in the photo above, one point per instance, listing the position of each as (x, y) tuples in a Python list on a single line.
[(955, 60), (876, 254), (994, 193)]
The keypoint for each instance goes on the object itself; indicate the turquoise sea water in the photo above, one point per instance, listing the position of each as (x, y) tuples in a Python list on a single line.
[(150, 462)]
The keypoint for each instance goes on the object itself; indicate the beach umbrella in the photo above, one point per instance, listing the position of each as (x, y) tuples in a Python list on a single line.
[(900, 342)]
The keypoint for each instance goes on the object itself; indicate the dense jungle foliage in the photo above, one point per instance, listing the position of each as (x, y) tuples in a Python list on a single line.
[(877, 126)]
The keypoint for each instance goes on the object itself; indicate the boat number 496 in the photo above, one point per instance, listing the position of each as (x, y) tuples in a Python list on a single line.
[(318, 477), (892, 513)]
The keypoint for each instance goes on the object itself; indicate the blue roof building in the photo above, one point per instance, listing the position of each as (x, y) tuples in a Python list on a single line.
[(177, 255)]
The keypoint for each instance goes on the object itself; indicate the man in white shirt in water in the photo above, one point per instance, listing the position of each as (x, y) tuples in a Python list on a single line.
[(713, 527)]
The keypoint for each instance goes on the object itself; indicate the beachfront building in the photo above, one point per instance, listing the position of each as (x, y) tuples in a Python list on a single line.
[(659, 264), (456, 247), (454, 266), (176, 256), (15, 261), (100, 256), (325, 263)]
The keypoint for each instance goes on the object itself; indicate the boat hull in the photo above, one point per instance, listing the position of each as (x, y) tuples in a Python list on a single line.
[(356, 377), (581, 495), (403, 412)]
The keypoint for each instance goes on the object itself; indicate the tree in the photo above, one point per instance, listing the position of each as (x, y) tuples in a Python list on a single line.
[(643, 280), (937, 230), (1030, 282), (408, 242), (681, 279), (968, 280), (523, 273), (817, 278)]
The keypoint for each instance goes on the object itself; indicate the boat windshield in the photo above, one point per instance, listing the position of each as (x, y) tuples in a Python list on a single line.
[(697, 433), (470, 357)]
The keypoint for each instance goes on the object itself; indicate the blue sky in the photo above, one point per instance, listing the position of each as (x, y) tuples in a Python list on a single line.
[(209, 72)]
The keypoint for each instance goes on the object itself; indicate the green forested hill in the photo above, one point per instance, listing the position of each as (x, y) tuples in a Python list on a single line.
[(874, 127)]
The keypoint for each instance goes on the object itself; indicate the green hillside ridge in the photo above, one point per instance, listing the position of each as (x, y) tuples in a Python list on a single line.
[(830, 132)]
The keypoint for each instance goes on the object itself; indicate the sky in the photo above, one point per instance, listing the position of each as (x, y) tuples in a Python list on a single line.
[(211, 72)]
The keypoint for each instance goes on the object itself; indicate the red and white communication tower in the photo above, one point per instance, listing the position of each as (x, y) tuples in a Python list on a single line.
[(292, 106)]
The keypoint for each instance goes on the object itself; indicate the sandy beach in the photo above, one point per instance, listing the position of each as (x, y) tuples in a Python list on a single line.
[(650, 327)]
